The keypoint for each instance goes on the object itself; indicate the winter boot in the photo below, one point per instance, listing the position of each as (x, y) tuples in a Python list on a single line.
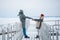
[(37, 36), (27, 37)]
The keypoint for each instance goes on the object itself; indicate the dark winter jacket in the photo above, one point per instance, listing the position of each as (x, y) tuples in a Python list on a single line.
[(39, 20), (23, 18)]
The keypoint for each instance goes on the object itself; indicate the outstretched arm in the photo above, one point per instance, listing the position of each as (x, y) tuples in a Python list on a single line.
[(29, 17), (38, 20)]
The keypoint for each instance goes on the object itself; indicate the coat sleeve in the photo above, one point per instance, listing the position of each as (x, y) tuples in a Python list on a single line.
[(29, 17), (38, 20)]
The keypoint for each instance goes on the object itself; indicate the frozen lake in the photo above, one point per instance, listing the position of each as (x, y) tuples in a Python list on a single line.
[(31, 25)]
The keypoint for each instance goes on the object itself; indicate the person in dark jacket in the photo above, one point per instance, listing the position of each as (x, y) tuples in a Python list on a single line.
[(23, 19)]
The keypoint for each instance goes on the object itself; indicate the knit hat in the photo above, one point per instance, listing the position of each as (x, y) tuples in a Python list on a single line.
[(42, 15)]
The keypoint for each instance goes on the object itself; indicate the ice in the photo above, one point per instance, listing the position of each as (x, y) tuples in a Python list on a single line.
[(31, 27)]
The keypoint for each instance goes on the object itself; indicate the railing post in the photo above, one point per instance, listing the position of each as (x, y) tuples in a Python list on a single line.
[(7, 34), (50, 32), (57, 35), (3, 34), (11, 32), (57, 31), (53, 32)]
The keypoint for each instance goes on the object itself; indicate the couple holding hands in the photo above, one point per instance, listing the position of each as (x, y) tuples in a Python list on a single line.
[(22, 18)]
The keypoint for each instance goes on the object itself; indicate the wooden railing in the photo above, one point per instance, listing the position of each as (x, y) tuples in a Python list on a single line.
[(11, 32), (54, 29)]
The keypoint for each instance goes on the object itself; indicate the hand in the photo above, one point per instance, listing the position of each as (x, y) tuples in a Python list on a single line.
[(37, 27)]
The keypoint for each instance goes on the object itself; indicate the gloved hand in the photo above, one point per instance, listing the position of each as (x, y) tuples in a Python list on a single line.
[(37, 27)]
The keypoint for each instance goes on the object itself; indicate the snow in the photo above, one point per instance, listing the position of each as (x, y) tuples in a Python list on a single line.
[(31, 31)]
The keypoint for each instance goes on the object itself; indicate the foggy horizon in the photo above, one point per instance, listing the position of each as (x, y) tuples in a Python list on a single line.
[(31, 8)]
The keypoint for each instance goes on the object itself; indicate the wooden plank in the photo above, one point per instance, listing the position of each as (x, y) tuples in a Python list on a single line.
[(9, 32)]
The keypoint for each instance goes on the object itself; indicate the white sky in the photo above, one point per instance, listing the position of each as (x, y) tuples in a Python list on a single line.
[(31, 8)]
